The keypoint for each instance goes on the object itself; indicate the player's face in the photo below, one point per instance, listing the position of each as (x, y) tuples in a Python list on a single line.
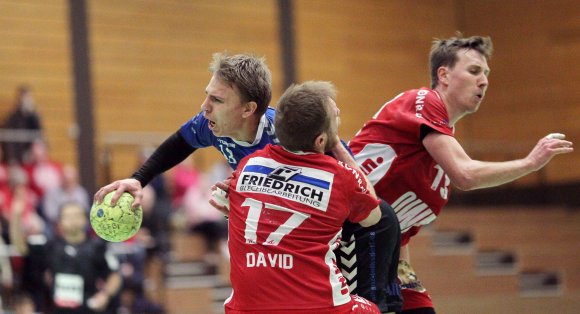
[(223, 108), (73, 220), (467, 81)]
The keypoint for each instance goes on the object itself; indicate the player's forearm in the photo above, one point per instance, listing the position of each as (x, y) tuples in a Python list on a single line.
[(481, 174), (170, 153)]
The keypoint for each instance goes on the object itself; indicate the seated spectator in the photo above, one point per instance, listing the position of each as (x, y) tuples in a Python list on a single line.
[(23, 117), (204, 219), (70, 190), (183, 176), (18, 191), (44, 174)]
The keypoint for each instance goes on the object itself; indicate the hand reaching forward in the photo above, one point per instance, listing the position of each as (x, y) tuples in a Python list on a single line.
[(547, 147), (130, 185), (220, 194)]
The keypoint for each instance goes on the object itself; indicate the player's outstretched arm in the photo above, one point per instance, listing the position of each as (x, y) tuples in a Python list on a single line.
[(468, 174), (171, 152), (129, 185)]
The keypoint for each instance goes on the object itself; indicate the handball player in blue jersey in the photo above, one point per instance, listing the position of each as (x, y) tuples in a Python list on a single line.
[(236, 119)]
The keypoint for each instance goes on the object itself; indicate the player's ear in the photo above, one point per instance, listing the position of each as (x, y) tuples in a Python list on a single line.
[(249, 109), (442, 75), (320, 142)]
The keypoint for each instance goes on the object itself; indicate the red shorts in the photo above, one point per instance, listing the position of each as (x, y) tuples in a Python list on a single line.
[(357, 305)]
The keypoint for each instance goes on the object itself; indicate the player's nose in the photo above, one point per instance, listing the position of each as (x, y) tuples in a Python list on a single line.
[(205, 107)]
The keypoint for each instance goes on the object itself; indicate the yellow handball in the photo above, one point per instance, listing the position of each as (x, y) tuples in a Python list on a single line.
[(116, 223)]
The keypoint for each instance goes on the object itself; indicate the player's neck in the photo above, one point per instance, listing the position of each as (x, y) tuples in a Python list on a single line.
[(453, 114), (249, 130)]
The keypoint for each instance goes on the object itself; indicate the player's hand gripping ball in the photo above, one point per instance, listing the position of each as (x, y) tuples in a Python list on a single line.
[(116, 223)]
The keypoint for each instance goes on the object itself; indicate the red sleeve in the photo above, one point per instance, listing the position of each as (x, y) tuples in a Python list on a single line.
[(361, 201), (433, 112)]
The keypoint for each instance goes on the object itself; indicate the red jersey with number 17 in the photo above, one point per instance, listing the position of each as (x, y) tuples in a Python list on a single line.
[(286, 217), (390, 152)]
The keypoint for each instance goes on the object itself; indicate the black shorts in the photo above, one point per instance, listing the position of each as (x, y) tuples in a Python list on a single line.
[(368, 259)]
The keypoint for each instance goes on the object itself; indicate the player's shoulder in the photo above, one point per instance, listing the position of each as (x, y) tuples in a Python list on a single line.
[(347, 172)]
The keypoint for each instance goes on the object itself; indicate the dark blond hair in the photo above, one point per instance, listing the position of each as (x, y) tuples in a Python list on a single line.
[(444, 52), (302, 114), (248, 73)]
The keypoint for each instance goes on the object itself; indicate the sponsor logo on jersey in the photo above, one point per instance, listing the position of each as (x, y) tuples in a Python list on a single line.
[(412, 211), (420, 102), (305, 185), (226, 143), (375, 160)]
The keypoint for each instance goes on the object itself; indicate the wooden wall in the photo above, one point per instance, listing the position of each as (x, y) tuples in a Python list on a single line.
[(34, 50), (535, 73), (149, 64), (371, 50)]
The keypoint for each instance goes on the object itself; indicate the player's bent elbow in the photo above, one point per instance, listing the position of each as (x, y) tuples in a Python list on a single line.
[(464, 183), (372, 218)]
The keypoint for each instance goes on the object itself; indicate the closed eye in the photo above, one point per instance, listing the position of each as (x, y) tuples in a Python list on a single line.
[(215, 99)]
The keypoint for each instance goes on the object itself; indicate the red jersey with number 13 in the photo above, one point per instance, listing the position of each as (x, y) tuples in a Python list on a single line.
[(390, 152)]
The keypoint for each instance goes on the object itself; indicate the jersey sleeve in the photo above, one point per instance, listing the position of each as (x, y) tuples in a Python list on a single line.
[(432, 112), (361, 201), (196, 132)]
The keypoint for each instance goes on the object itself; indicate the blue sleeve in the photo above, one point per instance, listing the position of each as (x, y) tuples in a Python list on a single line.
[(197, 133)]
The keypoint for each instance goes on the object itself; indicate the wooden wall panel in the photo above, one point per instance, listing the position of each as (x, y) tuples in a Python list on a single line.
[(150, 61), (34, 50), (534, 75), (150, 58), (371, 50)]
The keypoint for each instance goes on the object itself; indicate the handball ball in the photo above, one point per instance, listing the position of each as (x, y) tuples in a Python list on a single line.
[(116, 223)]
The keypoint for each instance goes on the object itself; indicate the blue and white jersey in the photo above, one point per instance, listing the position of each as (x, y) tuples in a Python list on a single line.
[(197, 134)]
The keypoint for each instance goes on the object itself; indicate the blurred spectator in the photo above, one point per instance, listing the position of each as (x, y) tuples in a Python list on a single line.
[(18, 191), (44, 173), (154, 231), (23, 117), (3, 170), (81, 273), (23, 304), (6, 276), (4, 184), (205, 220), (132, 255), (183, 177), (70, 190)]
